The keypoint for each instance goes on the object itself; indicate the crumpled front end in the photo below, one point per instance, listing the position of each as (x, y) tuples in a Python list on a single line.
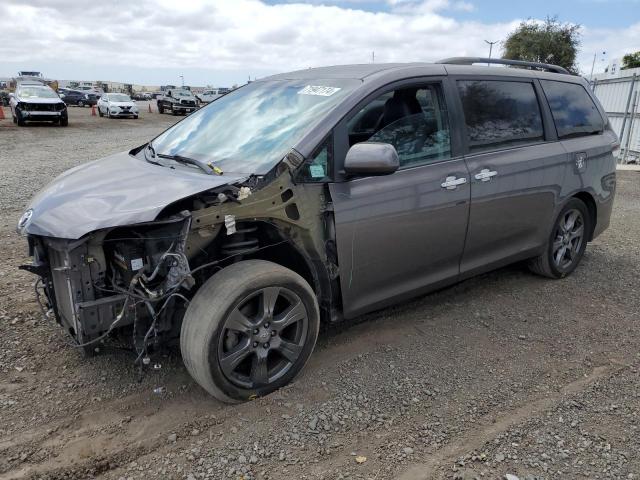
[(129, 276), (136, 278)]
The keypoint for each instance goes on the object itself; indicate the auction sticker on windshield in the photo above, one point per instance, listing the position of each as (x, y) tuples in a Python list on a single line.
[(318, 90)]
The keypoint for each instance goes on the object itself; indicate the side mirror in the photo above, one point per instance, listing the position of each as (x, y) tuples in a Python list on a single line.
[(370, 158)]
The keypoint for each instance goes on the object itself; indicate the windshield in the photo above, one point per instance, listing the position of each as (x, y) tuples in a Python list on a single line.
[(119, 97), (37, 92), (182, 93), (251, 129)]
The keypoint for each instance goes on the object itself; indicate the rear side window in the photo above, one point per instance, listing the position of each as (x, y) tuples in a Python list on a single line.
[(573, 110), (500, 114)]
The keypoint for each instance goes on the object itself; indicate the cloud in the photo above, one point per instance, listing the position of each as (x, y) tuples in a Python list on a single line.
[(251, 36)]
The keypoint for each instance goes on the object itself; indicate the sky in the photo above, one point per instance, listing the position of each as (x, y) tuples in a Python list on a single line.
[(225, 42)]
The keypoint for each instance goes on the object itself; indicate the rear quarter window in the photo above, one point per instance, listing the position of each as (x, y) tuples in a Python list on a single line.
[(500, 114), (574, 112)]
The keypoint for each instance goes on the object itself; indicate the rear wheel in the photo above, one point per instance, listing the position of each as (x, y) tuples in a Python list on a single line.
[(567, 242), (249, 330), (100, 114)]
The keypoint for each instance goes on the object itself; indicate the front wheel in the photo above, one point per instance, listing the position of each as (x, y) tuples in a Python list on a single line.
[(19, 119), (249, 330), (567, 242), (80, 103)]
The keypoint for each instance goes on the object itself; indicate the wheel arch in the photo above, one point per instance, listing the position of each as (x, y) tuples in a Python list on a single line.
[(592, 208), (283, 246)]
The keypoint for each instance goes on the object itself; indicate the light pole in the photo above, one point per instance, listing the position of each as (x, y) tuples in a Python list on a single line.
[(182, 78), (594, 64), (491, 44)]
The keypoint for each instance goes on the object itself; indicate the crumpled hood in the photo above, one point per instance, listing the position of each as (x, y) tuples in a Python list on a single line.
[(114, 191)]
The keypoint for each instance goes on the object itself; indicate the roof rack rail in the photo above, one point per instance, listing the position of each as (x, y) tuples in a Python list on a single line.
[(503, 61)]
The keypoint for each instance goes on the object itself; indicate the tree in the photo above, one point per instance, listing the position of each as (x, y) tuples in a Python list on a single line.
[(546, 42), (631, 60)]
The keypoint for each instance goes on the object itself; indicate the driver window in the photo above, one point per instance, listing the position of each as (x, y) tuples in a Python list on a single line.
[(413, 120)]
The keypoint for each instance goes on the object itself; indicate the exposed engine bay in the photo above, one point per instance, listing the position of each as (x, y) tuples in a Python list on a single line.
[(135, 282)]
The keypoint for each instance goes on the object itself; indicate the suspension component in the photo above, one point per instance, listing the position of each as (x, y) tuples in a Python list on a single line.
[(241, 242)]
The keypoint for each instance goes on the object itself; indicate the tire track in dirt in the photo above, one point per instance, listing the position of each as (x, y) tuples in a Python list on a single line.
[(492, 426)]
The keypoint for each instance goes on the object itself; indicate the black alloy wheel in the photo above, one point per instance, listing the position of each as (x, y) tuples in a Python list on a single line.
[(262, 337)]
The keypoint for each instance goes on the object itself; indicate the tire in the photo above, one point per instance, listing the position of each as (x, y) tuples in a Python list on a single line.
[(64, 122), (174, 111), (160, 109), (209, 333), (15, 120), (80, 103), (100, 114), (135, 117), (567, 242), (19, 120)]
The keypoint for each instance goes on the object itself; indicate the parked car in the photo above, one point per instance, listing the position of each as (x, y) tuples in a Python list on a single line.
[(117, 105), (320, 195), (177, 102), (97, 92), (36, 102), (209, 96), (80, 99)]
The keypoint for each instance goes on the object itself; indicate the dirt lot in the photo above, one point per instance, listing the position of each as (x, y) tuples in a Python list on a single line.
[(507, 373)]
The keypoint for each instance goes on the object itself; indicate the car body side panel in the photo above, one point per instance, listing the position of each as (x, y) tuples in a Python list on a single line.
[(591, 168), (510, 214), (398, 234)]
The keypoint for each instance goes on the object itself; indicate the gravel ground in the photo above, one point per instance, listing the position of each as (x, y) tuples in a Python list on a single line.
[(507, 375)]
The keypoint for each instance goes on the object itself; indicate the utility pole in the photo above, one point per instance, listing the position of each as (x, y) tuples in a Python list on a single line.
[(373, 57), (491, 44), (182, 77), (594, 64)]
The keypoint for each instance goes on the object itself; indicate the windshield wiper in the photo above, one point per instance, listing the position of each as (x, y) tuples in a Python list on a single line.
[(150, 148), (205, 167)]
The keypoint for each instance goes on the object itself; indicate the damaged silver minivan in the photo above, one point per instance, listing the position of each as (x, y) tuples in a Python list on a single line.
[(317, 196)]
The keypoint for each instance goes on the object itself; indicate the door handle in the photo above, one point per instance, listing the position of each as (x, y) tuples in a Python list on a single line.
[(452, 182), (485, 175)]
